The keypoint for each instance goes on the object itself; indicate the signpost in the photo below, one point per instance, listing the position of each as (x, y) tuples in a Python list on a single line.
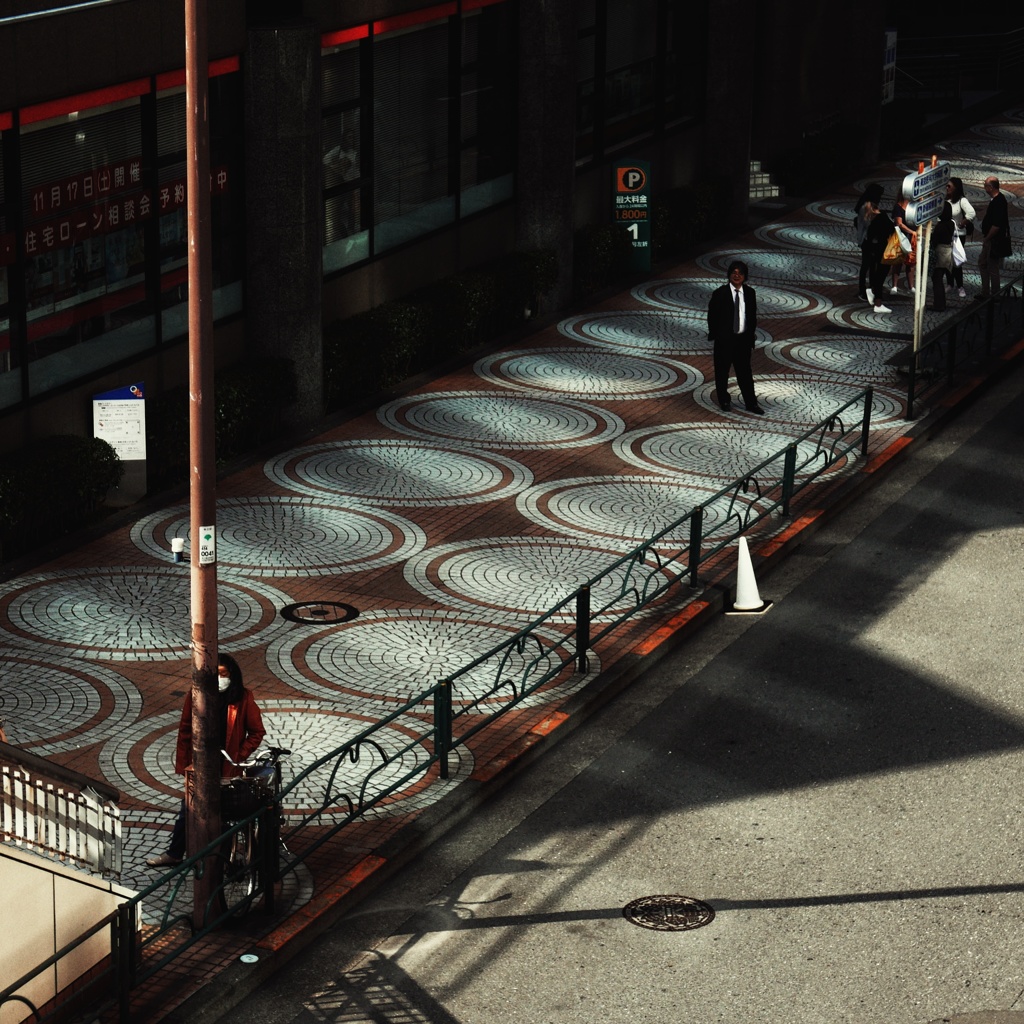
[(632, 210), (926, 192)]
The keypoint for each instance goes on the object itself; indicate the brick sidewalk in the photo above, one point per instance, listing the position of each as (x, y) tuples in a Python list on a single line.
[(450, 518)]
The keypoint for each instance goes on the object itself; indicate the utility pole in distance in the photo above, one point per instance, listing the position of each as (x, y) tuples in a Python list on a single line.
[(203, 795)]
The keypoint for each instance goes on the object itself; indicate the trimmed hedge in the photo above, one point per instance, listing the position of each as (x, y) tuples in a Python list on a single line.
[(601, 255), (376, 350), (51, 488), (686, 215), (248, 401)]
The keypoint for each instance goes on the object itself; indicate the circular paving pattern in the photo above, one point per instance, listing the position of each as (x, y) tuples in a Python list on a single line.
[(983, 156), (802, 401), (834, 245), (840, 210), (126, 614), (59, 704), (861, 357), (523, 577), (398, 472), (804, 267), (501, 419), (633, 508), (900, 321), (695, 292), (589, 373), (289, 536), (140, 761), (721, 452), (1005, 132), (397, 654), (682, 332)]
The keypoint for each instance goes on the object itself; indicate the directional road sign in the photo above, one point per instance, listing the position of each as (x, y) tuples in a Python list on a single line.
[(923, 210), (931, 179)]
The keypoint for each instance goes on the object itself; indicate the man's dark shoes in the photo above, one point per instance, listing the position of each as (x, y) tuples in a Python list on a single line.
[(755, 409), (726, 404)]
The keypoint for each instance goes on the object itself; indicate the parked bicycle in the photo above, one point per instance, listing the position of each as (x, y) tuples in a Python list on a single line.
[(246, 853)]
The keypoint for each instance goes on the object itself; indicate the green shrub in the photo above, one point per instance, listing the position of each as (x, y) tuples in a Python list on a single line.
[(376, 350), (601, 255), (248, 399), (52, 487)]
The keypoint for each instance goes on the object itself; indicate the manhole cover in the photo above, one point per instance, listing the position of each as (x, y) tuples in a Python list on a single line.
[(668, 913), (319, 613)]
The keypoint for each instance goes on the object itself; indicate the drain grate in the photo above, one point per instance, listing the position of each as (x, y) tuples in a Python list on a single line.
[(668, 913), (319, 613)]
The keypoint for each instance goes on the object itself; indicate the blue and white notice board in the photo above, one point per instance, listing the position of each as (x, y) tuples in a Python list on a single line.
[(119, 418)]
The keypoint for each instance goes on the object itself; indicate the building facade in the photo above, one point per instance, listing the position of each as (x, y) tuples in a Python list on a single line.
[(358, 151)]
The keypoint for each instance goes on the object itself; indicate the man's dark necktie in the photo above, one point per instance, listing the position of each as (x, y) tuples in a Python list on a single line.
[(735, 311)]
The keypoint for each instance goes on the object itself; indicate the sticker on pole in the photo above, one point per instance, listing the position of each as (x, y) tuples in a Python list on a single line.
[(207, 545)]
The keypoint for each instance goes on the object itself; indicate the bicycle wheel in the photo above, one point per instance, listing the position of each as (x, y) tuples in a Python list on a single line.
[(240, 869)]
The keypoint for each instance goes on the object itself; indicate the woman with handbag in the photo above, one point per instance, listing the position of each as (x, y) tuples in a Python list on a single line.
[(908, 239), (879, 234), (963, 220)]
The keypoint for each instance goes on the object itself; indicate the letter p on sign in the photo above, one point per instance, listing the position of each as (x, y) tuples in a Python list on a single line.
[(630, 179)]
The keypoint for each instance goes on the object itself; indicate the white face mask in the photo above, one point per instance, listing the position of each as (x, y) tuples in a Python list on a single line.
[(223, 682)]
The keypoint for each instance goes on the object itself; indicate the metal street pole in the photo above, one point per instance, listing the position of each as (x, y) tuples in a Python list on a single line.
[(204, 794)]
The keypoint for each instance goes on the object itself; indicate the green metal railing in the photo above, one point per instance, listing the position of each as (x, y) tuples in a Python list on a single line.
[(967, 342), (329, 795)]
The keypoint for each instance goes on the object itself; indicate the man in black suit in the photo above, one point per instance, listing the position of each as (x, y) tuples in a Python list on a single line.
[(732, 322)]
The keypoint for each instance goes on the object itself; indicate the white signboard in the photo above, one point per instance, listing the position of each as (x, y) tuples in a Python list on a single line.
[(119, 418), (207, 545)]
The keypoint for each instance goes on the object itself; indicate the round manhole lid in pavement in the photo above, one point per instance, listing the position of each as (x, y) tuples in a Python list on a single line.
[(319, 613), (668, 913)]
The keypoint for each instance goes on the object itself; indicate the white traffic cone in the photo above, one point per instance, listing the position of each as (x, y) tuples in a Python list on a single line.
[(748, 600)]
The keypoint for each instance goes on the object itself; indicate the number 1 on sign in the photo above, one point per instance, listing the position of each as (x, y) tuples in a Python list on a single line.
[(634, 230)]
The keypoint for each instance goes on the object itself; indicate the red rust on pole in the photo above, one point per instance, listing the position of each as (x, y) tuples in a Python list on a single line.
[(204, 799)]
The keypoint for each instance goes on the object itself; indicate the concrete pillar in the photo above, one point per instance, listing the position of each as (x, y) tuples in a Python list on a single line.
[(284, 276), (547, 136)]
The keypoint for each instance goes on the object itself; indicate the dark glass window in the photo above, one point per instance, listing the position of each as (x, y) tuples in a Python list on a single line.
[(346, 235), (638, 70), (227, 202), (411, 97), (487, 115), (629, 69), (10, 376), (84, 207)]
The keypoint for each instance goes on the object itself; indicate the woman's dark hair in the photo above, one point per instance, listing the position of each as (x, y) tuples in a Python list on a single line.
[(958, 189), (234, 691), (872, 192)]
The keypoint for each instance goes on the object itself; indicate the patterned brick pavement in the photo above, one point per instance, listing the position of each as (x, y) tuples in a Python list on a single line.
[(449, 518)]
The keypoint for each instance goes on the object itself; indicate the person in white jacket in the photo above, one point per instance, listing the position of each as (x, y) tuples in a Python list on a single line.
[(963, 218)]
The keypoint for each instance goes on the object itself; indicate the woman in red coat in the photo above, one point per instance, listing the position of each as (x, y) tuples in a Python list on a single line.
[(242, 732)]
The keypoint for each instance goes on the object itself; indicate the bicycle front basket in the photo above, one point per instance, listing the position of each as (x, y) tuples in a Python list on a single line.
[(239, 798)]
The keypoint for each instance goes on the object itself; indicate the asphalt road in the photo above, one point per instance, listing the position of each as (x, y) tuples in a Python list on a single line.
[(839, 779)]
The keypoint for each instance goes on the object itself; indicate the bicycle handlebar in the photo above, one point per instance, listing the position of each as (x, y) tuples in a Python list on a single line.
[(273, 754)]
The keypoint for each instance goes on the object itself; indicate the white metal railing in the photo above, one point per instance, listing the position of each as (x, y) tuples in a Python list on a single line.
[(78, 827)]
